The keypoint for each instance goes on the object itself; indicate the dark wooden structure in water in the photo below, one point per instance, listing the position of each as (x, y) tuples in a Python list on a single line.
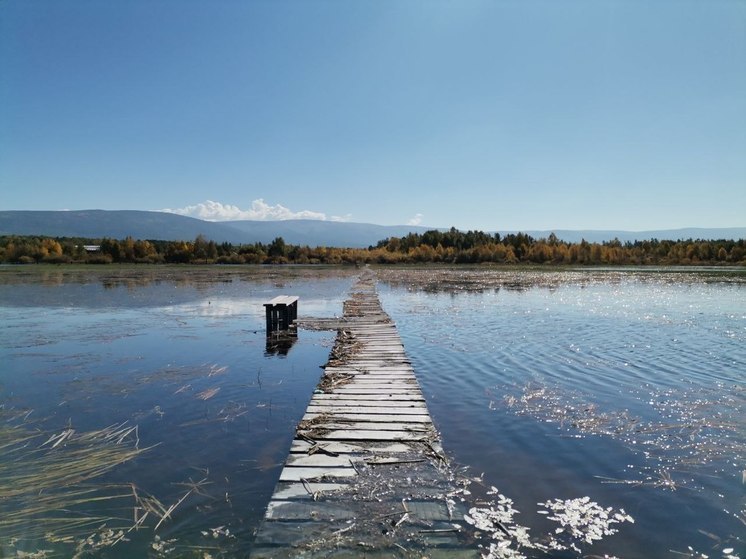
[(366, 476), (281, 312)]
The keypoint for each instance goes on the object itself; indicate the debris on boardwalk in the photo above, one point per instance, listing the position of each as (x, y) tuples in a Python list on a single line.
[(366, 475)]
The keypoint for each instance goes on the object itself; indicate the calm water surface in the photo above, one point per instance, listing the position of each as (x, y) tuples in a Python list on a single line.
[(91, 349), (627, 387)]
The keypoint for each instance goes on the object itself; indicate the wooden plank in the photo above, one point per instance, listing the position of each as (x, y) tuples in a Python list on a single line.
[(361, 447), (367, 397), (371, 425), (406, 384), (409, 379), (361, 388), (387, 380), (377, 389), (301, 510), (360, 365), (390, 418), (371, 372), (429, 510), (376, 375), (281, 300), (375, 361), (369, 435), (318, 460), (297, 490), (368, 410), (410, 403), (291, 473)]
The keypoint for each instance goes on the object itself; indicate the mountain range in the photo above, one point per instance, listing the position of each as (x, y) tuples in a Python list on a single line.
[(118, 224)]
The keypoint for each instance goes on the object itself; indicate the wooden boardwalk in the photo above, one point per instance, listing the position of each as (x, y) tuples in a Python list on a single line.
[(366, 476)]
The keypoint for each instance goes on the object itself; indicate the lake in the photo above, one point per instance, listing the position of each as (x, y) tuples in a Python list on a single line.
[(626, 386)]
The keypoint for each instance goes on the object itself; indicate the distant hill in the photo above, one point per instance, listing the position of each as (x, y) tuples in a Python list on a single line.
[(115, 224), (323, 233), (118, 224)]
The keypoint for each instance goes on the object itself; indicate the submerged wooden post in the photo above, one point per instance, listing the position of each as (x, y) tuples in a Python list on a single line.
[(281, 312)]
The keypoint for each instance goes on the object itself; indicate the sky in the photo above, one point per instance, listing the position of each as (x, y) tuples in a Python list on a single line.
[(492, 115)]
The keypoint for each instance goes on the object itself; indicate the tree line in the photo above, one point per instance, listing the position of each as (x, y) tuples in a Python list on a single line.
[(451, 247)]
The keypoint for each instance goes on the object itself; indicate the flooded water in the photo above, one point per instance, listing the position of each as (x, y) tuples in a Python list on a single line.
[(183, 355), (627, 387)]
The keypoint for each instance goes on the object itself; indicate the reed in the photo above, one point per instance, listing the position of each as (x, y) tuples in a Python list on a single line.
[(50, 487)]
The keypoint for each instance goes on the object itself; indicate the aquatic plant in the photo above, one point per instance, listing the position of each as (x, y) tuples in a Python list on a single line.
[(581, 521), (691, 426), (691, 553), (49, 490)]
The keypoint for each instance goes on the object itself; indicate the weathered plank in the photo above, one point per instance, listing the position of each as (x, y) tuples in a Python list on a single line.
[(372, 435), (373, 417), (381, 386), (360, 447), (431, 510), (367, 397), (360, 384), (297, 490), (368, 410), (291, 473), (332, 424), (301, 510), (378, 390), (414, 404), (318, 460)]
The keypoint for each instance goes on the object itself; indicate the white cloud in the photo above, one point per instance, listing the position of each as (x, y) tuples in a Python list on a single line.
[(416, 220), (259, 211)]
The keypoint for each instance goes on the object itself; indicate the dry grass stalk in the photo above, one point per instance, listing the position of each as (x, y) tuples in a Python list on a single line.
[(48, 488), (208, 393)]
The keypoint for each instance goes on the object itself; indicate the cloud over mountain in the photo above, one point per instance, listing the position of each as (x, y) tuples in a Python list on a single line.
[(259, 211), (416, 220)]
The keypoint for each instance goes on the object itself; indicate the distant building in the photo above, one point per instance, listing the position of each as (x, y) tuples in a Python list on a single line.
[(92, 248)]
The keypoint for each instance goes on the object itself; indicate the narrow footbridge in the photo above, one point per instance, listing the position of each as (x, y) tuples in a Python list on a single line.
[(366, 475)]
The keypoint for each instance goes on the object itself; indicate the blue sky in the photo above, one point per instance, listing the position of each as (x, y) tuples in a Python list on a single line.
[(495, 115)]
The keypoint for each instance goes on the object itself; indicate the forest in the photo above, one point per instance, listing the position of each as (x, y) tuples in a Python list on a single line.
[(450, 247)]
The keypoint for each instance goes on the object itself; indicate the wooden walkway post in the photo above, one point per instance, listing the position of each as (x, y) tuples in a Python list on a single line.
[(281, 312), (366, 476)]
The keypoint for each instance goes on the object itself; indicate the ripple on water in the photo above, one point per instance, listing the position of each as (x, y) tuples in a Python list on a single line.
[(631, 394)]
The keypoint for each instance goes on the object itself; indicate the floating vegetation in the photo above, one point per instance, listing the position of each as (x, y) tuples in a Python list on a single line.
[(688, 433), (693, 426), (208, 393), (102, 538), (462, 279), (727, 553), (581, 522), (163, 547), (345, 348), (182, 373), (49, 491), (172, 547), (216, 370), (47, 484)]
